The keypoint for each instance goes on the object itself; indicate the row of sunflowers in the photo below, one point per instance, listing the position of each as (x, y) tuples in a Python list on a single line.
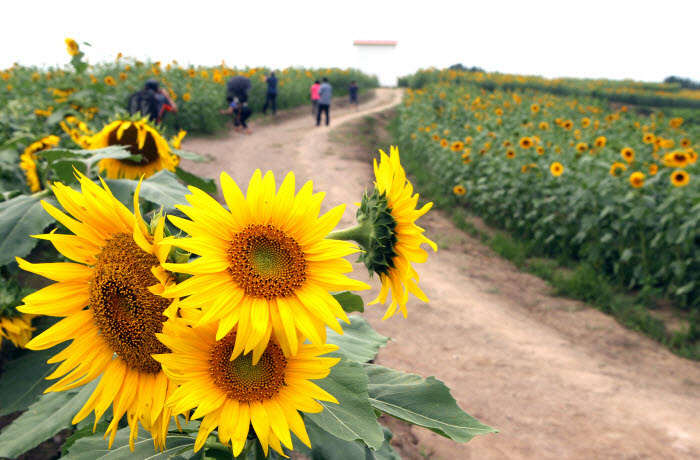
[(621, 91), (575, 178), (36, 100)]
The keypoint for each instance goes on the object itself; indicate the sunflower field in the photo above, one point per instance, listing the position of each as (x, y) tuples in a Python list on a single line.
[(576, 179), (140, 318)]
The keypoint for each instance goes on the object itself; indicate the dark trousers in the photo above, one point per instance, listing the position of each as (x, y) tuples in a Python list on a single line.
[(270, 99), (239, 120), (322, 108)]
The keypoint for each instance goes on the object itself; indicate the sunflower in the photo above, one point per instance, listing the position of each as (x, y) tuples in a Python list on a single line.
[(459, 190), (524, 168), (510, 154), (544, 126), (617, 168), (233, 394), (264, 264), (653, 169), (141, 139), (109, 81), (680, 178), (585, 122), (637, 179), (526, 142), (600, 141), (677, 159), (556, 169), (540, 150), (685, 143), (110, 308), (444, 143), (436, 137), (567, 124), (534, 108), (648, 138), (192, 73), (628, 154), (27, 161), (457, 146), (581, 147), (72, 47), (186, 97), (17, 329)]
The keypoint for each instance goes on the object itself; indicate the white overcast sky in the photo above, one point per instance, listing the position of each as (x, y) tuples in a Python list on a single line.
[(609, 39)]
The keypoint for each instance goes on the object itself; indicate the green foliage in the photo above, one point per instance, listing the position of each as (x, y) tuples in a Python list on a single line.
[(52, 413), (422, 402), (21, 217), (359, 341), (352, 418), (325, 446), (349, 301), (31, 369)]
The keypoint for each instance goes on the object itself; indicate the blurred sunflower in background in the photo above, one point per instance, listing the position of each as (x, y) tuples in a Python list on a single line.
[(141, 139), (28, 160), (680, 178), (556, 169)]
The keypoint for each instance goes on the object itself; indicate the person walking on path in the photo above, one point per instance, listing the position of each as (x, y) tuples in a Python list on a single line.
[(352, 91), (314, 97), (325, 93), (271, 96), (152, 102)]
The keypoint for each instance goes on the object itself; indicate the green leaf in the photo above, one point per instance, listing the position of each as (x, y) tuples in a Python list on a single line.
[(191, 156), (162, 188), (423, 402), (52, 413), (21, 217), (325, 446), (352, 418), (349, 301), (31, 369), (207, 185), (65, 170), (113, 151), (359, 341), (94, 447)]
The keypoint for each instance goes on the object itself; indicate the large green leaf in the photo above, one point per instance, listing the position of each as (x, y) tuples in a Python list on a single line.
[(325, 446), (191, 156), (94, 447), (52, 413), (353, 417), (206, 185), (359, 341), (349, 301), (423, 402), (162, 188), (21, 217), (31, 369)]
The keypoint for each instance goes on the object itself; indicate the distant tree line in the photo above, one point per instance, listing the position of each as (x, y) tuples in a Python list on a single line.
[(686, 83)]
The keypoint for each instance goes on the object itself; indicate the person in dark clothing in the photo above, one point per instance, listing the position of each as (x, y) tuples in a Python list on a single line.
[(325, 93), (271, 95), (352, 91), (241, 112), (151, 102)]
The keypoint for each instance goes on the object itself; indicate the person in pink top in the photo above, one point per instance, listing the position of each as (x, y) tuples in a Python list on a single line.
[(315, 96)]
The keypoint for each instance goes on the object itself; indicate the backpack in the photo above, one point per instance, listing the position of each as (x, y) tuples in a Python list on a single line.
[(145, 102)]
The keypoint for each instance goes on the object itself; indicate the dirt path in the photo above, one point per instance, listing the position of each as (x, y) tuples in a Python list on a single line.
[(559, 379)]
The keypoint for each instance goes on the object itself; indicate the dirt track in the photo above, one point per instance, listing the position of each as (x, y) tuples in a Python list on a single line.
[(559, 379)]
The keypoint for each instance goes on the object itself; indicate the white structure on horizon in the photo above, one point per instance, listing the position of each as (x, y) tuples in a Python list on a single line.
[(377, 57)]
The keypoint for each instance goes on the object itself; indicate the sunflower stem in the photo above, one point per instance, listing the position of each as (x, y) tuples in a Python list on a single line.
[(359, 233)]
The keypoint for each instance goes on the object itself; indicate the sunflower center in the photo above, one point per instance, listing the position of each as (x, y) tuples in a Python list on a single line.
[(127, 314), (240, 379), (149, 151), (266, 262)]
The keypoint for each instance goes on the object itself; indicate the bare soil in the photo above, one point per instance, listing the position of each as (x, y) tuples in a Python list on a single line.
[(559, 379)]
